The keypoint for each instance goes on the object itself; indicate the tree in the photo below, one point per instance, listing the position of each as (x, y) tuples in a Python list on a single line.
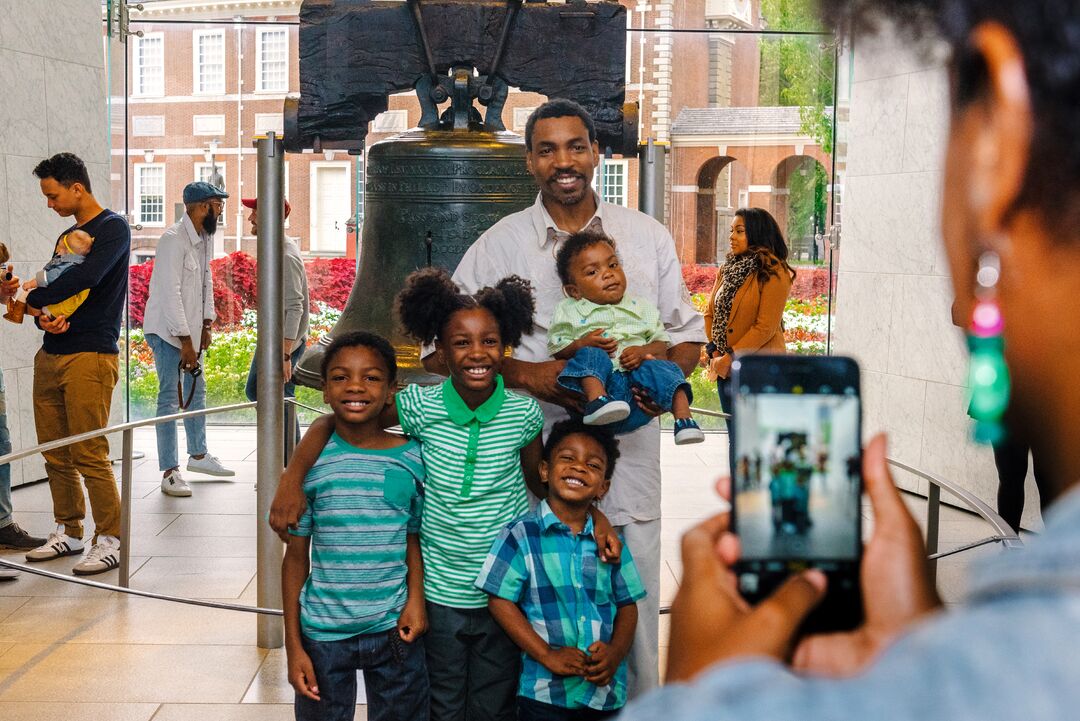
[(798, 70)]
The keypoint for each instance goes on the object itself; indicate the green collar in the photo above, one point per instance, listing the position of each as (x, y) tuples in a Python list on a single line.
[(462, 415)]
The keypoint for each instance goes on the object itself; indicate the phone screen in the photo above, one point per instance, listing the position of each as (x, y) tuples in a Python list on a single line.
[(796, 464)]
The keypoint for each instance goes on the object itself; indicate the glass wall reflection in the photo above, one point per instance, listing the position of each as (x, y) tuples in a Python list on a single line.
[(742, 93)]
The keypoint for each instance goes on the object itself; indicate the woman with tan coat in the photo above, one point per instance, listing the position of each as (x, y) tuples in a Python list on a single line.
[(745, 312)]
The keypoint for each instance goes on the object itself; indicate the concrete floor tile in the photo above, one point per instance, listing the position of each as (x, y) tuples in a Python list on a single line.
[(222, 712), (196, 547), (29, 584), (44, 711), (212, 524), (124, 673), (195, 577), (10, 604), (130, 620)]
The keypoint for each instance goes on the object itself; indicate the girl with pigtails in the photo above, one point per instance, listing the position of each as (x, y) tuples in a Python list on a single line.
[(481, 448)]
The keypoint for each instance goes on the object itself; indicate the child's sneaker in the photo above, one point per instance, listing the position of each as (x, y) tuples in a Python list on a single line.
[(58, 544), (605, 410), (687, 431), (103, 556)]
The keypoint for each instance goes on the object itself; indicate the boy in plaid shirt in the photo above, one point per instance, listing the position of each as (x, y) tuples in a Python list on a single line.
[(572, 616)]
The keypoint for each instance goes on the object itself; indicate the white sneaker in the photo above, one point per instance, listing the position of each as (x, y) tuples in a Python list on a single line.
[(103, 556), (209, 465), (59, 544), (8, 574), (173, 484)]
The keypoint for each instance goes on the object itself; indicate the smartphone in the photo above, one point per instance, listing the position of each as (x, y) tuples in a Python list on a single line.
[(796, 458)]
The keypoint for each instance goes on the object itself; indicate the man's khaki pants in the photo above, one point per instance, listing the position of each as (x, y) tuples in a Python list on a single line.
[(72, 395)]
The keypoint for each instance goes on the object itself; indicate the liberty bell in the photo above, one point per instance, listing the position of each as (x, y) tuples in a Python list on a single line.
[(432, 191)]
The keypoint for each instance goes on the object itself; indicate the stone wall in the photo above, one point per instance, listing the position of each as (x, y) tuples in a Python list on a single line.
[(52, 72), (893, 291)]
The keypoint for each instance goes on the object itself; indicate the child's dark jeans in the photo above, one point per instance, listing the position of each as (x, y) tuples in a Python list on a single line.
[(395, 678), (531, 710), (659, 378)]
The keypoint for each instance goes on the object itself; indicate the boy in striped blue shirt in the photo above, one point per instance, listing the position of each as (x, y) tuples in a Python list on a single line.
[(358, 604), (572, 616)]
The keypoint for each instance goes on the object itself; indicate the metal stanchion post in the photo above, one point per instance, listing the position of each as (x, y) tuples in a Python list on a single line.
[(125, 507), (651, 161), (270, 172)]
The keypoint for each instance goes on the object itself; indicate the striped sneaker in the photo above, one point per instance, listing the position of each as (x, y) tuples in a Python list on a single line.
[(103, 556), (59, 544)]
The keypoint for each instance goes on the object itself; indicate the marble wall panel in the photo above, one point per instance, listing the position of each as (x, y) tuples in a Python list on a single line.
[(923, 341), (947, 446), (886, 55), (864, 317), (903, 417), (873, 403), (49, 28), (4, 205), (75, 101), (876, 131), (891, 224), (926, 122), (32, 226), (23, 119)]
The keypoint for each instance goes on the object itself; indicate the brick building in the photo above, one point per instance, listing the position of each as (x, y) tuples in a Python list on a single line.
[(206, 77)]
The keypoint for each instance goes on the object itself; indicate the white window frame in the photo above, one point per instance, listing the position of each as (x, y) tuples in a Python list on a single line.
[(521, 118), (139, 169), (197, 63), (260, 84), (598, 182), (199, 167), (138, 68)]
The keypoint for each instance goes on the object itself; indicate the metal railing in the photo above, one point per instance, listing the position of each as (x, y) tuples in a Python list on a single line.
[(1002, 533)]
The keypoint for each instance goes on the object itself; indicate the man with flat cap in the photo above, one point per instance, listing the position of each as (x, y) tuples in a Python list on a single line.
[(177, 319)]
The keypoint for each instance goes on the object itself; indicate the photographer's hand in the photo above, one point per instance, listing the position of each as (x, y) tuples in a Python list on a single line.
[(710, 621), (8, 288), (896, 584)]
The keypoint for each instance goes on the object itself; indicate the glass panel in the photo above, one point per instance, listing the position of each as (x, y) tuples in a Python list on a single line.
[(741, 92), (748, 113)]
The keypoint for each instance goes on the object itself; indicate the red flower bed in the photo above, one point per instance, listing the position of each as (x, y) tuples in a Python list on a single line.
[(330, 280), (809, 282), (236, 285), (138, 287)]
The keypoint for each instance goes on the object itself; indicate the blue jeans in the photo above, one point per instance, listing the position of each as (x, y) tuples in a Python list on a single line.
[(167, 362), (659, 378), (252, 388), (395, 678), (5, 470), (531, 710)]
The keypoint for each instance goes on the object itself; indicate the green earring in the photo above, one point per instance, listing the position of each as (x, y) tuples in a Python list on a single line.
[(988, 376)]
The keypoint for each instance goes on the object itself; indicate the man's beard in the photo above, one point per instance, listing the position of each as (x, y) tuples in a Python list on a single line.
[(209, 223)]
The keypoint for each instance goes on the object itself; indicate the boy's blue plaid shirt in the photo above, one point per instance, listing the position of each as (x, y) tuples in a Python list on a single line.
[(569, 596)]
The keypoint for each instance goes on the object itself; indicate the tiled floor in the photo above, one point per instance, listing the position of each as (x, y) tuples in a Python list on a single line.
[(76, 652)]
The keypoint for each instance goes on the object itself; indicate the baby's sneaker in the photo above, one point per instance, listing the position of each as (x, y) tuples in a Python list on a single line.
[(687, 431), (605, 410)]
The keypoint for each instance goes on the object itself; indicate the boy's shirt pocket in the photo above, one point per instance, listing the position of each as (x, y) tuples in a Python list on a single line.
[(399, 486)]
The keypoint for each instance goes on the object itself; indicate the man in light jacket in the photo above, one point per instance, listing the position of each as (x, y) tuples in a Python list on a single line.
[(179, 312), (296, 306)]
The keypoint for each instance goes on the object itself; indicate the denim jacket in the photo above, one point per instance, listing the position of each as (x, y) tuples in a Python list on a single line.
[(1009, 653), (56, 267)]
